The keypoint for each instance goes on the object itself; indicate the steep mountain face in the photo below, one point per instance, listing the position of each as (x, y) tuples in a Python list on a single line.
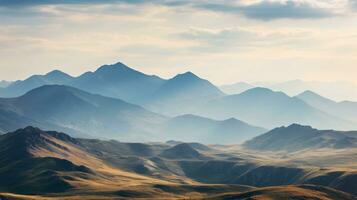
[(296, 137), (189, 128), (344, 109), (18, 88), (80, 112), (265, 108), (119, 81), (181, 94), (24, 167)]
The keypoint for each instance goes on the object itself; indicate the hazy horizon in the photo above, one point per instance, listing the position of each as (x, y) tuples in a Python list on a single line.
[(335, 90)]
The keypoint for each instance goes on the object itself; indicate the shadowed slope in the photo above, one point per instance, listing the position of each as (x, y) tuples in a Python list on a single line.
[(23, 171)]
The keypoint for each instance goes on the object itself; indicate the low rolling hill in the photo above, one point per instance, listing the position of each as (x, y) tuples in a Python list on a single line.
[(189, 128), (297, 137)]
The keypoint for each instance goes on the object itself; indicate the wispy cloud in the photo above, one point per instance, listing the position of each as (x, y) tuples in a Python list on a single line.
[(256, 9), (269, 10)]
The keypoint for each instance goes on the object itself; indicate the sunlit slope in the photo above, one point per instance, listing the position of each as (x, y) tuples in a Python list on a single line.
[(304, 192)]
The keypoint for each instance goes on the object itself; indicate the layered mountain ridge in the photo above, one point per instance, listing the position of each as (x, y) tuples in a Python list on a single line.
[(189, 94)]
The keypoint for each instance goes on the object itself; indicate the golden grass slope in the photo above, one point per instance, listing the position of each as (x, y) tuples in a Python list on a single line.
[(303, 192)]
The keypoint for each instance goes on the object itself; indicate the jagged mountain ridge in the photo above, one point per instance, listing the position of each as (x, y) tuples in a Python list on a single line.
[(120, 81)]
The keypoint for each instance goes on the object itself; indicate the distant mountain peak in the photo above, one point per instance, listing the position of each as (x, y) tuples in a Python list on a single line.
[(119, 66), (30, 129), (182, 150), (260, 89), (56, 73), (53, 88), (299, 126), (231, 120), (186, 76), (257, 91), (308, 93)]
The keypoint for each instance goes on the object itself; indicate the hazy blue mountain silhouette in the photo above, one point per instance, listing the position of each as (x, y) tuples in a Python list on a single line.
[(236, 88), (189, 128), (266, 108), (173, 96), (182, 93), (82, 112), (343, 109), (18, 88), (297, 137), (65, 108), (187, 93), (119, 81)]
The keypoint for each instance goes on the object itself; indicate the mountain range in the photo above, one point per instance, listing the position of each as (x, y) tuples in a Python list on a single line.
[(266, 108), (343, 109), (174, 96), (189, 94), (338, 91), (67, 109), (48, 164)]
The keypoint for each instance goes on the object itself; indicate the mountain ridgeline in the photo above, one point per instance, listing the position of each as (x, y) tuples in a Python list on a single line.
[(183, 94), (266, 108), (82, 114), (64, 108), (120, 81)]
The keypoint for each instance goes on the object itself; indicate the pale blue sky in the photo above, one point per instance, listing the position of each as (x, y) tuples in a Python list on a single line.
[(223, 41)]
